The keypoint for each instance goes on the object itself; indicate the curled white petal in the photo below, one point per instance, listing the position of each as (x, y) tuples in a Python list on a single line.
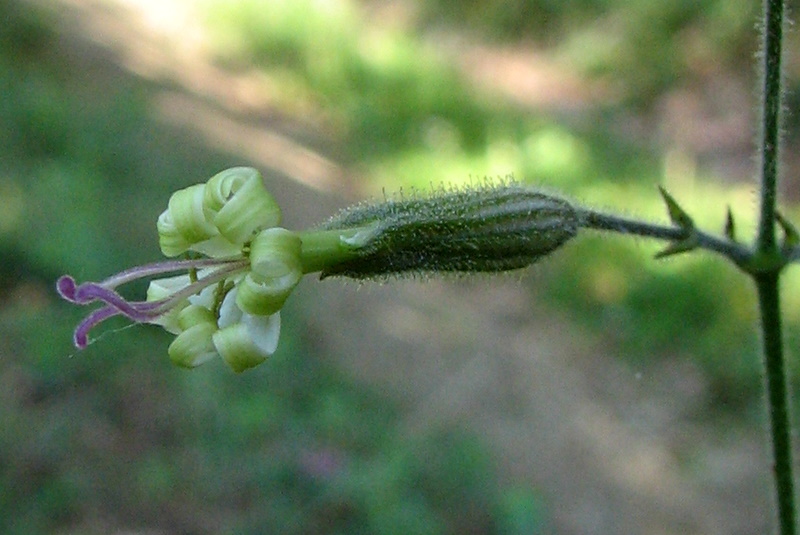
[(205, 298), (245, 340), (195, 344), (163, 288), (170, 239), (238, 203), (217, 247), (275, 271), (190, 219), (229, 313), (264, 331)]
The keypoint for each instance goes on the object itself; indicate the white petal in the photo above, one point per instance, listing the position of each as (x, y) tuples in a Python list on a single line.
[(247, 344), (229, 312), (205, 298), (163, 288), (217, 247), (265, 331)]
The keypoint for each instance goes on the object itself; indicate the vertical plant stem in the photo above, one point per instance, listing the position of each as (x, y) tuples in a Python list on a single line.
[(767, 282), (778, 399), (770, 121)]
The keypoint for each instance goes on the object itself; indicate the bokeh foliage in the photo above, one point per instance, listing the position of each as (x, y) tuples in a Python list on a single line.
[(642, 48), (115, 438)]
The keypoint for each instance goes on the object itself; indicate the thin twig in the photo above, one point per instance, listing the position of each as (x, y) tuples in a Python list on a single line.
[(740, 254)]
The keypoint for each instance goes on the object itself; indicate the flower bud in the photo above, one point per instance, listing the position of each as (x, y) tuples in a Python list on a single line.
[(487, 229)]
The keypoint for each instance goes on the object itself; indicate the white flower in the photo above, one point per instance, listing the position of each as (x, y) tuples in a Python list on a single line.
[(226, 305)]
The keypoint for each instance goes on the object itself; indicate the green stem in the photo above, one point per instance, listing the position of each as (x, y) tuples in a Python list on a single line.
[(770, 121), (767, 282), (321, 248), (778, 399), (600, 221)]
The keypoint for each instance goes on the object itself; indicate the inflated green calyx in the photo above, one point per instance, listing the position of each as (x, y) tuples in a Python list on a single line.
[(478, 230)]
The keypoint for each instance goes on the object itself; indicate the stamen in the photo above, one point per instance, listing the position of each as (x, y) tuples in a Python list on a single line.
[(165, 304), (90, 292), (66, 288), (138, 311), (80, 338), (158, 268), (69, 290)]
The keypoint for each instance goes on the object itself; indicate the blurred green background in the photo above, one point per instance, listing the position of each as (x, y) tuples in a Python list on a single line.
[(109, 107)]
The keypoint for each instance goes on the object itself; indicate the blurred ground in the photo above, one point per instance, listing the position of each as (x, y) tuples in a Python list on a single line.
[(612, 448)]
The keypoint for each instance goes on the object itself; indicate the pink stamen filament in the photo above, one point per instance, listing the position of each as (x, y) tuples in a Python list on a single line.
[(71, 292), (157, 268), (138, 311)]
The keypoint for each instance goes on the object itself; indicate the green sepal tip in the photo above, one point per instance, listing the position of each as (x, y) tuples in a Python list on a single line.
[(678, 247), (791, 237), (676, 214), (730, 226)]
